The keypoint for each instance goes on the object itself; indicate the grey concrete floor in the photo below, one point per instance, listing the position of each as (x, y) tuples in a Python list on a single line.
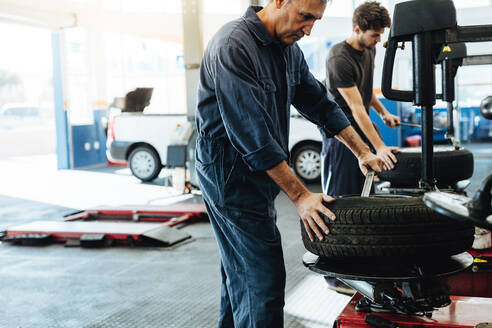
[(55, 286)]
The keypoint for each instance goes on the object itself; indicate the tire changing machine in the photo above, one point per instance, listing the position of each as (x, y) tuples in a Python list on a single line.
[(450, 59), (409, 292)]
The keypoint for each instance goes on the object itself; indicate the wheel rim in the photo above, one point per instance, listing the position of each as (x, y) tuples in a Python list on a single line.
[(143, 164), (308, 164), (435, 149)]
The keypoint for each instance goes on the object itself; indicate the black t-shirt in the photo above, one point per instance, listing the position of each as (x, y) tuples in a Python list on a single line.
[(347, 67)]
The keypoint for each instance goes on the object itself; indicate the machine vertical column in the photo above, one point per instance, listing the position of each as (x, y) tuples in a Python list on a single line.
[(428, 180), (424, 85), (448, 93)]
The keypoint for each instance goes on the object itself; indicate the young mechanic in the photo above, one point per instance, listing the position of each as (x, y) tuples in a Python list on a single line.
[(349, 76)]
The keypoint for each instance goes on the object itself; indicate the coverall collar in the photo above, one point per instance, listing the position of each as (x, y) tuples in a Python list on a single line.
[(256, 26)]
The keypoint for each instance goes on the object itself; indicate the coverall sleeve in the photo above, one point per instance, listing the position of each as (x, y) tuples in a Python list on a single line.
[(242, 103), (312, 102)]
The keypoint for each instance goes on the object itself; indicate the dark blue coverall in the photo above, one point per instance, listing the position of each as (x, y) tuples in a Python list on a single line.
[(346, 67), (340, 171), (248, 82)]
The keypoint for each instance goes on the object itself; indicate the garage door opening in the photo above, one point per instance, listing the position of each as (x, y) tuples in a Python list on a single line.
[(27, 124)]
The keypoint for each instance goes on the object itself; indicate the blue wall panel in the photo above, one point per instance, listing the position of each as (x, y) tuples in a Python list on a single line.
[(390, 136), (101, 132), (85, 145), (89, 142)]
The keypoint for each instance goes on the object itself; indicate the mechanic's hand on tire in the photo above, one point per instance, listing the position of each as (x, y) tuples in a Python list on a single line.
[(309, 206), (369, 161), (388, 157), (391, 120)]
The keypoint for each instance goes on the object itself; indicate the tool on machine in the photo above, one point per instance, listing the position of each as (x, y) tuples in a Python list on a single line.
[(477, 209), (366, 190), (415, 125)]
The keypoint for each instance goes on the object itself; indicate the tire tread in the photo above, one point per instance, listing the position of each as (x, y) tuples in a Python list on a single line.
[(389, 227)]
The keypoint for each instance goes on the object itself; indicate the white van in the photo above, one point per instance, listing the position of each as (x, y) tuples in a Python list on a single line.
[(142, 140)]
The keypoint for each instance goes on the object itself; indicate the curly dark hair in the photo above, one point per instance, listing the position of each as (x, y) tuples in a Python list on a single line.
[(371, 15)]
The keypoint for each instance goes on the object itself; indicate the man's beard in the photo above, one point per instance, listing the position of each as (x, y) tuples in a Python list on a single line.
[(366, 45)]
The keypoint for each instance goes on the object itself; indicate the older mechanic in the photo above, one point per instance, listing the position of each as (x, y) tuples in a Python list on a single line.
[(251, 73)]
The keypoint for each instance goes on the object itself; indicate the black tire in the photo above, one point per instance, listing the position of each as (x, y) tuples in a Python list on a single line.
[(450, 166), (377, 227), (144, 163), (306, 161)]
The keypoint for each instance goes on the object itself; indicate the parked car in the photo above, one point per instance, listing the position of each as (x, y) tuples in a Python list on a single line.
[(305, 149), (24, 115)]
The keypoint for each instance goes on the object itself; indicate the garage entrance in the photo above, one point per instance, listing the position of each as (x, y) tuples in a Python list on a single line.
[(27, 124)]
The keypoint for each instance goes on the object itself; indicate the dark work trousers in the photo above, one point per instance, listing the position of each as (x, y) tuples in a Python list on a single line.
[(340, 171), (240, 205)]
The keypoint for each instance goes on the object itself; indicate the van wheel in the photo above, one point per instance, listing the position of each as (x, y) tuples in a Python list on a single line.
[(306, 161), (383, 227), (144, 163)]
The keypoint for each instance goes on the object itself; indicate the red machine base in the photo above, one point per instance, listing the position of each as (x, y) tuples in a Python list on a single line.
[(464, 312), (476, 282)]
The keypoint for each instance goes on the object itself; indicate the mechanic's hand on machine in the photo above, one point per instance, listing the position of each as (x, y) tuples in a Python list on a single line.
[(370, 161), (391, 120), (388, 156), (309, 206)]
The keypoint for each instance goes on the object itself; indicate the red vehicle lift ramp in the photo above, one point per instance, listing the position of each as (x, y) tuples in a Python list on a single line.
[(141, 213), (130, 224)]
